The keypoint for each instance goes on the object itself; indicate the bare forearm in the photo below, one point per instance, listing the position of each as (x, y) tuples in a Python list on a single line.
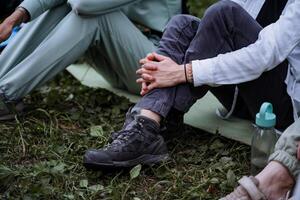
[(19, 16)]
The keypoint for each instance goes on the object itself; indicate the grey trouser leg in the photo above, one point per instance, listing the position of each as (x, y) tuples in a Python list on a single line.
[(225, 27), (286, 149), (36, 55)]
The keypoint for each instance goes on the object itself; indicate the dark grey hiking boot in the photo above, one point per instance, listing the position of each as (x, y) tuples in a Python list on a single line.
[(130, 116), (9, 110), (138, 143), (172, 127)]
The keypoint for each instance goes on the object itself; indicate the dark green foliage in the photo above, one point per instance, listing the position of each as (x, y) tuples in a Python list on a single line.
[(197, 7), (41, 154)]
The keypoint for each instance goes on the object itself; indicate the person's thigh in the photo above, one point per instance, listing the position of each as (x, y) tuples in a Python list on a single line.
[(231, 99), (269, 87), (177, 37), (94, 57), (227, 27), (121, 45)]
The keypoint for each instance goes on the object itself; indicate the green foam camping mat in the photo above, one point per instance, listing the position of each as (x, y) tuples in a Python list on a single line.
[(202, 115)]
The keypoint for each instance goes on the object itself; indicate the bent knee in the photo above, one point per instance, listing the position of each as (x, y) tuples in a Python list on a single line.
[(222, 7), (181, 21), (80, 7), (76, 5)]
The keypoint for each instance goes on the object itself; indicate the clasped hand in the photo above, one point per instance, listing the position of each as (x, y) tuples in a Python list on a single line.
[(20, 15), (158, 71), (5, 30)]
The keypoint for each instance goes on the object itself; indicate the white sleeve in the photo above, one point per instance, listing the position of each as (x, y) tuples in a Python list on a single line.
[(274, 44), (37, 7)]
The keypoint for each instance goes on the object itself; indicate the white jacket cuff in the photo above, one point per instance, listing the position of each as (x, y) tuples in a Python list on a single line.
[(32, 8), (203, 72)]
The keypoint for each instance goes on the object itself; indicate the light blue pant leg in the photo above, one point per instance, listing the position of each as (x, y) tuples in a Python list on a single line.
[(115, 36), (29, 37), (63, 45), (116, 55)]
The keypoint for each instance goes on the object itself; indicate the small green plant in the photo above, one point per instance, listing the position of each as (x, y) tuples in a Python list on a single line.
[(41, 153)]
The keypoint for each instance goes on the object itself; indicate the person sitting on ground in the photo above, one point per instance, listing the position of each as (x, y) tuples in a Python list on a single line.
[(60, 31), (227, 53)]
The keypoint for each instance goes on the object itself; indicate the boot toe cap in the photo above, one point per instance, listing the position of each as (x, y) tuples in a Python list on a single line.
[(97, 157)]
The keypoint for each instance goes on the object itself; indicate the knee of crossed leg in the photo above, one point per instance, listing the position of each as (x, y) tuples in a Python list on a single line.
[(181, 21), (222, 8), (77, 6)]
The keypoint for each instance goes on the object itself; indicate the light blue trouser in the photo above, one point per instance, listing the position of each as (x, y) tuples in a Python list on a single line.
[(47, 45)]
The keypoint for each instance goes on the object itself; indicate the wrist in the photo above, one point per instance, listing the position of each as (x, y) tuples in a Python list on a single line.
[(11, 21), (189, 73), (17, 17), (181, 74), (24, 13)]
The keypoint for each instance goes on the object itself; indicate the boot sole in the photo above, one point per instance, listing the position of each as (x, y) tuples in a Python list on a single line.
[(19, 108), (9, 117), (148, 160)]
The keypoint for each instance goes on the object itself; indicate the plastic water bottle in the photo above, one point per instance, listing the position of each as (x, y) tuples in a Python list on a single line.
[(264, 138)]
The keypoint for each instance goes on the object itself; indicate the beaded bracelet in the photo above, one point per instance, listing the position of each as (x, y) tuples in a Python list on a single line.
[(190, 78), (186, 79)]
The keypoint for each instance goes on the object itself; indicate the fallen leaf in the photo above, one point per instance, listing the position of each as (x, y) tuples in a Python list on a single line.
[(135, 172), (84, 183), (96, 131)]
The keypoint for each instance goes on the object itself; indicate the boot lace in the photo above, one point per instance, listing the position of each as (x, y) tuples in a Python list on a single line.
[(121, 137)]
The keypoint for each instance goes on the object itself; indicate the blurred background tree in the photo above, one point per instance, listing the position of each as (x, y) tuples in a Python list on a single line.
[(198, 7)]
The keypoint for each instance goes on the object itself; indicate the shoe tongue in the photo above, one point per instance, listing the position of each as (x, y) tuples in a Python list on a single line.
[(147, 123)]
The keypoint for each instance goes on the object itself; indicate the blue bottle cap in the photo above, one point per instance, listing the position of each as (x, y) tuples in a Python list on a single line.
[(266, 118)]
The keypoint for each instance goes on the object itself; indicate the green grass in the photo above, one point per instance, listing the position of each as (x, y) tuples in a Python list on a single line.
[(41, 153)]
